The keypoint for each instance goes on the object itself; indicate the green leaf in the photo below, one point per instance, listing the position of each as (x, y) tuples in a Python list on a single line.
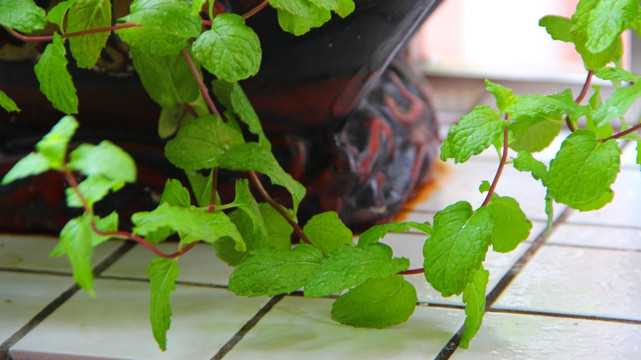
[(345, 7), (535, 135), (246, 202), (583, 170), (300, 16), (86, 15), (230, 49), (511, 226), (170, 119), (537, 119), (22, 15), (245, 111), (94, 188), (327, 232), (201, 142), (504, 96), (162, 282), (201, 186), (474, 133), (608, 19), (271, 271), (57, 13), (175, 194), (276, 233), (558, 27), (581, 21), (167, 79), (166, 26), (77, 240), (32, 164), (377, 303), (616, 74), (617, 104), (349, 266), (458, 247), (104, 159), (192, 224), (55, 81), (255, 157), (7, 103), (525, 162), (197, 6), (474, 299), (485, 186), (377, 232), (53, 146)]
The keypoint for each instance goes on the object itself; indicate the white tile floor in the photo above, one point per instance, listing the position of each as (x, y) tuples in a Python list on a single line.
[(572, 295)]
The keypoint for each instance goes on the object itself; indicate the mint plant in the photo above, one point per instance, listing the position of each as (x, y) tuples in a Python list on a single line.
[(173, 42)]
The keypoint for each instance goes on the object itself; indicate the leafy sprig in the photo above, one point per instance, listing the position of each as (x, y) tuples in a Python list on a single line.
[(172, 46)]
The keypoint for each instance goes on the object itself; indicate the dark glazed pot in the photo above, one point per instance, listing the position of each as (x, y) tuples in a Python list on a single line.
[(346, 114)]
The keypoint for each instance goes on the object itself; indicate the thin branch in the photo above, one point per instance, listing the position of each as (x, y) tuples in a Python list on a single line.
[(69, 35), (201, 84), (584, 91), (278, 207), (118, 234), (190, 110), (253, 11), (499, 171), (623, 133), (412, 272)]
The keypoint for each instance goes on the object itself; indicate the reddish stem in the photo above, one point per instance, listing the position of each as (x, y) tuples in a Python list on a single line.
[(201, 84), (499, 171), (119, 234), (584, 91), (69, 35), (412, 272), (190, 110), (253, 11), (623, 133), (278, 207)]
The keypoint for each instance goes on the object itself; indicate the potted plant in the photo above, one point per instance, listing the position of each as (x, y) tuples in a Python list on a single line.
[(208, 140)]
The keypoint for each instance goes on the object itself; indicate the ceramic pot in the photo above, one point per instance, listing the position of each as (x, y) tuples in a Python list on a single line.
[(347, 116)]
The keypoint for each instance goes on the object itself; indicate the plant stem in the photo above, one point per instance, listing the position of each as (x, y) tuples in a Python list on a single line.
[(622, 133), (278, 207), (118, 234), (69, 35), (412, 272), (584, 91), (201, 84), (190, 110), (499, 171), (253, 11)]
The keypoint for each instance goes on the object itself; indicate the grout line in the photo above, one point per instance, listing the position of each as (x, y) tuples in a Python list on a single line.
[(58, 301), (248, 326), (36, 271), (593, 247), (177, 282), (452, 345), (566, 316)]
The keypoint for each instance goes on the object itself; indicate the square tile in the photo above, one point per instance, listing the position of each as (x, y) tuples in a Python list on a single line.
[(596, 236), (115, 324), (624, 209), (535, 337), (32, 252), (23, 295), (199, 265), (298, 328), (580, 281)]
